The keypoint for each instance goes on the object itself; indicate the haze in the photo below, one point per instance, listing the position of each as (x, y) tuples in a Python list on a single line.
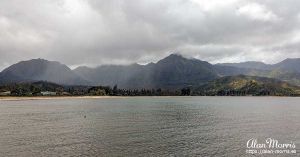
[(95, 32)]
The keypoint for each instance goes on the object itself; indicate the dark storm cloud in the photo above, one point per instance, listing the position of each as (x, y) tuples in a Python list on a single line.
[(94, 32)]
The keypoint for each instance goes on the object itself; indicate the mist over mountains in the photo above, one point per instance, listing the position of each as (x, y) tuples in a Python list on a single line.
[(40, 70), (172, 72)]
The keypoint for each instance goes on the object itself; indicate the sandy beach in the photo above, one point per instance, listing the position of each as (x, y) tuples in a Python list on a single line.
[(14, 98)]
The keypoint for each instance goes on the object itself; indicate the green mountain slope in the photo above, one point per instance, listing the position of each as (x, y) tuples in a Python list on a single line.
[(291, 77), (247, 85)]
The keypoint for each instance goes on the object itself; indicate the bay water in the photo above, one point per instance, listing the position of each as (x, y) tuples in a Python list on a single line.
[(146, 126)]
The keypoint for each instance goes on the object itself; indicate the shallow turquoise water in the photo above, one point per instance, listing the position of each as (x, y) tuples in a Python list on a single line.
[(145, 126)]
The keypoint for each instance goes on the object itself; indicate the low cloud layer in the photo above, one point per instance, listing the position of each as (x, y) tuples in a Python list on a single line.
[(95, 32)]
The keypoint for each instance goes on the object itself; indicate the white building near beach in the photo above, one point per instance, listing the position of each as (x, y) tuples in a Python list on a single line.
[(48, 93)]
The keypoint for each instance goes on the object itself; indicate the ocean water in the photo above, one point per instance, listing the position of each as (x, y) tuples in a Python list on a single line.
[(146, 126)]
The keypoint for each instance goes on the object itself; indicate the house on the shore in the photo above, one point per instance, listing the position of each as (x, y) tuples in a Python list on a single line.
[(6, 93), (48, 93)]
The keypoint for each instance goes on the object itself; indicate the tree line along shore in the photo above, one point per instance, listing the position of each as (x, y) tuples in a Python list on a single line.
[(227, 86)]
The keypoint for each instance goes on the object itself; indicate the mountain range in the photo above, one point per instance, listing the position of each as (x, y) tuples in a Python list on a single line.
[(172, 72)]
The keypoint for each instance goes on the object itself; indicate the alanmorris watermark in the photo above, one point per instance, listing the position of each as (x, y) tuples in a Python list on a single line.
[(270, 146)]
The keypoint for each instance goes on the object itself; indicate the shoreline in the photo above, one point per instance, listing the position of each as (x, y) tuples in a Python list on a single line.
[(16, 98)]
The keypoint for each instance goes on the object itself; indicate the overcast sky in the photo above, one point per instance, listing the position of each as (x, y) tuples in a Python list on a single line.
[(95, 32)]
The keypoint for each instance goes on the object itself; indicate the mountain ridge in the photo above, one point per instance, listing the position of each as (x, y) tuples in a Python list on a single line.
[(40, 70), (171, 72)]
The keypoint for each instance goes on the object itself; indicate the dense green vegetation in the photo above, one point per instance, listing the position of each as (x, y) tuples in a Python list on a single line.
[(240, 85), (31, 89), (50, 89), (291, 77)]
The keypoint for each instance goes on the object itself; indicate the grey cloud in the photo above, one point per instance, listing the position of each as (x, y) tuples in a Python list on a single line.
[(95, 32)]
